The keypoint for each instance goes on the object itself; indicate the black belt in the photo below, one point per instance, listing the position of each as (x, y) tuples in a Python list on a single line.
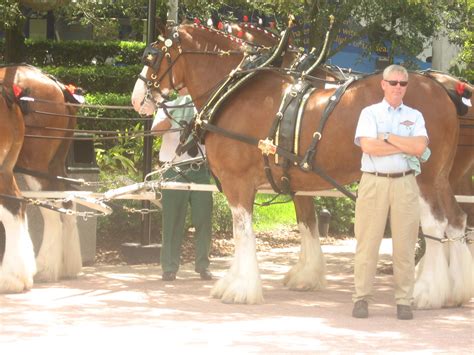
[(392, 175)]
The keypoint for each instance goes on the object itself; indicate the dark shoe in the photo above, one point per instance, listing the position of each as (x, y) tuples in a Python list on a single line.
[(404, 312), (168, 276), (206, 275), (361, 309)]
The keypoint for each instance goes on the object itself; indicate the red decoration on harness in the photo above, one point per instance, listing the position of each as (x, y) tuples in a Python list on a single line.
[(220, 25), (197, 21), (460, 88), (246, 18), (17, 91), (71, 88), (240, 34)]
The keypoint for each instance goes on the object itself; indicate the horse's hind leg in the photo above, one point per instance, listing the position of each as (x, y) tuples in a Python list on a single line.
[(309, 273), (242, 283), (444, 274), (18, 266), (432, 280)]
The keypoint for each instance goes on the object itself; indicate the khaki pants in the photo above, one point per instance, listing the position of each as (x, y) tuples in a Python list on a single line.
[(377, 197)]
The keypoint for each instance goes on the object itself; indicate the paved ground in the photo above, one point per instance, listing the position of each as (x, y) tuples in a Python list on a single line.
[(128, 309)]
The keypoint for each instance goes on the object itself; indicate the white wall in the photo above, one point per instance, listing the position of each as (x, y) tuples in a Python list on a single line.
[(444, 53)]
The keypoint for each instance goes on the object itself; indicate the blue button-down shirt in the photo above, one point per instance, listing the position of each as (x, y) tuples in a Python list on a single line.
[(383, 118)]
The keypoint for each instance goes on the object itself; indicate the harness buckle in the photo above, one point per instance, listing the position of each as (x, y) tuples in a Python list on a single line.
[(266, 146)]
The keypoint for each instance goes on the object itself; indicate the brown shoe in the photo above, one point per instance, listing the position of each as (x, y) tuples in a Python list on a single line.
[(361, 309), (404, 312)]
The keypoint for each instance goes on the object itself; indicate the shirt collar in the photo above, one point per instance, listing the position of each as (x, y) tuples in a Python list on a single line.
[(390, 108)]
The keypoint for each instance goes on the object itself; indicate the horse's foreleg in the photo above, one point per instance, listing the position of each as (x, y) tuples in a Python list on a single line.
[(432, 285), (242, 283), (72, 259), (49, 258), (309, 273), (18, 266)]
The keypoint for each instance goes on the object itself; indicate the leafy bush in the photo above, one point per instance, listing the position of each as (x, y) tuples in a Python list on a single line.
[(100, 78), (81, 53), (342, 212), (221, 215)]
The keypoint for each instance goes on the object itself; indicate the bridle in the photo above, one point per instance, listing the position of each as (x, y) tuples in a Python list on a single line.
[(153, 56)]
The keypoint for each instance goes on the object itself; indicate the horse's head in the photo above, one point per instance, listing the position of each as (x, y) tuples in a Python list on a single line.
[(189, 55), (160, 74)]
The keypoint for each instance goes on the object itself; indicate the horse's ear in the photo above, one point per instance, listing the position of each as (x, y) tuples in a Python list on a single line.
[(160, 27)]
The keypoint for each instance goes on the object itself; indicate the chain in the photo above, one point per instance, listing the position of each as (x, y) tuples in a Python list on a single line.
[(67, 211), (465, 237), (143, 211)]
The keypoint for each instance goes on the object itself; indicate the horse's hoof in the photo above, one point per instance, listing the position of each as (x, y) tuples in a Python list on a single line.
[(45, 276), (14, 284)]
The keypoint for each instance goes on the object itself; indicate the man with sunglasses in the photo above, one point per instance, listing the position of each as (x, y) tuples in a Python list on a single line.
[(389, 134)]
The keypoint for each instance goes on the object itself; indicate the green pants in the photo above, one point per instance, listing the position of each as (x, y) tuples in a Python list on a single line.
[(175, 205)]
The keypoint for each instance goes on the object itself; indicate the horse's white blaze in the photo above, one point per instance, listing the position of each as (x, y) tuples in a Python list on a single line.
[(142, 106), (242, 283), (18, 266), (71, 258), (309, 273), (49, 258), (460, 268)]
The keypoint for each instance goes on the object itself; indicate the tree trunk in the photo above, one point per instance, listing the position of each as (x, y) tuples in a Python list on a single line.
[(15, 48)]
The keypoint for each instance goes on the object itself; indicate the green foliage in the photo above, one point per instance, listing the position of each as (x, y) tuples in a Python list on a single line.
[(118, 118), (279, 213), (100, 78), (221, 215), (342, 213), (125, 153), (81, 53), (10, 14)]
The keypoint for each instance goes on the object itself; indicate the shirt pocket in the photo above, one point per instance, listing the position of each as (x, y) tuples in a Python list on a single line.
[(406, 127)]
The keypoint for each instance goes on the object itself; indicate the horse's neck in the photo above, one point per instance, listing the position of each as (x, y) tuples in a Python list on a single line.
[(205, 71)]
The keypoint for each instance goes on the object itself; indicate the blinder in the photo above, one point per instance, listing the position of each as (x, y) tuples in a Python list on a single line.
[(152, 57)]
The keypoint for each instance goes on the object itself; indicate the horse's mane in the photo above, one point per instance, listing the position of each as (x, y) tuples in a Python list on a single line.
[(214, 35)]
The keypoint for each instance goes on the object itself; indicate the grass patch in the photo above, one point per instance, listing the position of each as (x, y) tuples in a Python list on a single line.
[(275, 215)]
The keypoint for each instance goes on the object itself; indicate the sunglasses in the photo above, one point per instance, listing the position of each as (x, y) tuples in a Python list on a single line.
[(395, 82)]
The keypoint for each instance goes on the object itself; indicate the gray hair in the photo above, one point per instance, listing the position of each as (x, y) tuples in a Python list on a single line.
[(394, 68)]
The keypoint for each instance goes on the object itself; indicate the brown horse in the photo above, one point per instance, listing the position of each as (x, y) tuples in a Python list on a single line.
[(464, 159), (42, 160), (18, 265), (462, 171), (444, 276)]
